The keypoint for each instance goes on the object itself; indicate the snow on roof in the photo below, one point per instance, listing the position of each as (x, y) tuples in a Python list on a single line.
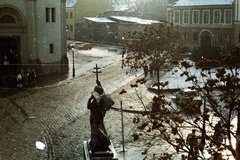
[(134, 20), (70, 3), (99, 19), (202, 2)]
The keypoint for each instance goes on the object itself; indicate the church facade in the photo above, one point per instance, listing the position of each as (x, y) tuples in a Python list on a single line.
[(33, 34)]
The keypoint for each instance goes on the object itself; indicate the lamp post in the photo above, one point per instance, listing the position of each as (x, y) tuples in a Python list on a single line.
[(73, 62), (123, 52), (156, 60)]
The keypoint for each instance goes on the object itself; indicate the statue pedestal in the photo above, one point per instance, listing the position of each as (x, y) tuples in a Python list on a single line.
[(101, 155)]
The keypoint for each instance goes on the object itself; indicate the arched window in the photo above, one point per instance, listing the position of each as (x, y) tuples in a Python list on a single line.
[(206, 39), (7, 19)]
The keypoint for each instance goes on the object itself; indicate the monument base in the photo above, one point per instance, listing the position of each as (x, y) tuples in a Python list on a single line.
[(100, 155)]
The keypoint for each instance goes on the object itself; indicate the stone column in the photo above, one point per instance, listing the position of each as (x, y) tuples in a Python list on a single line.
[(31, 30)]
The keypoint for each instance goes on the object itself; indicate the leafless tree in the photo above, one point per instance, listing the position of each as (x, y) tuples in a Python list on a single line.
[(217, 123)]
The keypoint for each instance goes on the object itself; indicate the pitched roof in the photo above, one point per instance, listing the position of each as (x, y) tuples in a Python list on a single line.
[(202, 2), (70, 3), (99, 19), (134, 20)]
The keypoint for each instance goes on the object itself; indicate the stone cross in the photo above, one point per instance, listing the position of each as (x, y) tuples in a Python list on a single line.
[(97, 71)]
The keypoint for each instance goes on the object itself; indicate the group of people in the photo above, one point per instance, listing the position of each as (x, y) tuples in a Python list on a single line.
[(26, 78)]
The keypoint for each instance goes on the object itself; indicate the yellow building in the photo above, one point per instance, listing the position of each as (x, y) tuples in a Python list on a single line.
[(76, 10)]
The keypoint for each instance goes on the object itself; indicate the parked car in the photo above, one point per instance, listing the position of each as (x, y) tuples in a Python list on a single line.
[(113, 49), (78, 45), (188, 100), (70, 45), (84, 46)]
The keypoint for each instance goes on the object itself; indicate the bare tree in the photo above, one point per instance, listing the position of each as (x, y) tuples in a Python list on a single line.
[(155, 46), (217, 125)]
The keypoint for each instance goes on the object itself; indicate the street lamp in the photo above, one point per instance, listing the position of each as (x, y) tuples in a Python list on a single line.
[(156, 60), (123, 50), (73, 62)]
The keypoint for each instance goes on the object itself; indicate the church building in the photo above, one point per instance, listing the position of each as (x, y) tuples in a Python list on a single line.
[(33, 35)]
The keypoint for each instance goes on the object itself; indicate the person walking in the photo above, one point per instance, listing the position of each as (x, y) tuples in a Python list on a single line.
[(19, 80), (145, 69), (33, 76), (192, 141), (151, 70), (26, 78)]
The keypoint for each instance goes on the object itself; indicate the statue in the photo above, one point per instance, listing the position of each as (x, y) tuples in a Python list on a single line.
[(99, 103)]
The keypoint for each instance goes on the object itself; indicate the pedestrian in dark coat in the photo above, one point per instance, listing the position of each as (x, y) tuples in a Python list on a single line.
[(192, 141), (19, 80), (145, 69), (33, 76)]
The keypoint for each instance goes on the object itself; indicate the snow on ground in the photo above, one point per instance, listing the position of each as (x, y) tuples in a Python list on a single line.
[(177, 81)]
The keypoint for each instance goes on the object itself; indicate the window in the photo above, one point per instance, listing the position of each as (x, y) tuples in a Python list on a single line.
[(7, 19), (185, 36), (216, 16), (47, 14), (185, 16), (51, 48), (71, 27), (228, 16), (177, 16), (206, 17), (195, 17), (170, 16), (50, 15), (195, 36), (71, 15), (66, 15), (53, 15)]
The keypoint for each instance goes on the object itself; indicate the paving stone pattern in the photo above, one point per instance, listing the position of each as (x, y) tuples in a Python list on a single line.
[(57, 116)]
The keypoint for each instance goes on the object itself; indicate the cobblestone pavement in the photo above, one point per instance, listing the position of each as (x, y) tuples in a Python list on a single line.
[(57, 116)]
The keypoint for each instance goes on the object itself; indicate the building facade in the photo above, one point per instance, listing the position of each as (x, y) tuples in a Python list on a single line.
[(76, 10), (70, 18), (204, 23), (33, 34), (237, 22)]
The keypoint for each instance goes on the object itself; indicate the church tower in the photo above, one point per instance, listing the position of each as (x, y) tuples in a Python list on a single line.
[(236, 23)]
